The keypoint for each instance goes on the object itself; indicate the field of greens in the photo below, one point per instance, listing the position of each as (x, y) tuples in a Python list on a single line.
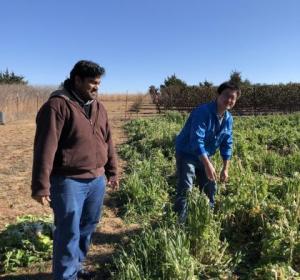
[(253, 232), (25, 242)]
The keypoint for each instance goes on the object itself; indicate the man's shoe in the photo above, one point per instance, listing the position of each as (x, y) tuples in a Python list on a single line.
[(86, 275)]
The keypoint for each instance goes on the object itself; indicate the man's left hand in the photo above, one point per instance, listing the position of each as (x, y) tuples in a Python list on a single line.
[(113, 183), (224, 175)]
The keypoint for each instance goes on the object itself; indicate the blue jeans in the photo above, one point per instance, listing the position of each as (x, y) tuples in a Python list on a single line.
[(76, 205), (191, 171)]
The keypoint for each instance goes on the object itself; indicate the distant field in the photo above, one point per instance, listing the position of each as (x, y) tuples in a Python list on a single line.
[(21, 101)]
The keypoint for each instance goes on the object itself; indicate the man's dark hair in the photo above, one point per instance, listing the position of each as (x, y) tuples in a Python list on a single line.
[(229, 85), (86, 69)]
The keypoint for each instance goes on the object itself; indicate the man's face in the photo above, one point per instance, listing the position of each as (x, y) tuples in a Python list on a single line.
[(87, 87), (227, 99)]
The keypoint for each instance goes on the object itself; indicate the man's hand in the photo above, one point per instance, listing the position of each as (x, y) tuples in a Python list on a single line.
[(224, 171), (224, 175), (113, 183), (44, 200), (210, 171), (209, 168)]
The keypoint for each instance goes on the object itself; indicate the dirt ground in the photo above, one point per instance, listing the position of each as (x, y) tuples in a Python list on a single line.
[(16, 142)]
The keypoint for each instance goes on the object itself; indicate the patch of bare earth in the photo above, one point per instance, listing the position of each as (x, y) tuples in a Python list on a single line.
[(16, 142)]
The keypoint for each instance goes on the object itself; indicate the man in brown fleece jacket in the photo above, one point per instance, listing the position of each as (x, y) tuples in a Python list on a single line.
[(73, 160)]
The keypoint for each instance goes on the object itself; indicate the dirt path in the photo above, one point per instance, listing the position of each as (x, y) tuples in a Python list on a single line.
[(16, 141)]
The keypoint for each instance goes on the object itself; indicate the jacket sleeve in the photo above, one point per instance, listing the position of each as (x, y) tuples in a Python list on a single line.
[(226, 145), (111, 165), (49, 124), (197, 133)]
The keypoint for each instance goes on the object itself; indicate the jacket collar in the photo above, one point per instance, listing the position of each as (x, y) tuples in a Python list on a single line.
[(80, 100), (214, 110), (73, 95)]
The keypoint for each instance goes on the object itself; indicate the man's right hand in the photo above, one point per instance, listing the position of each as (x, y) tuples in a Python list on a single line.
[(209, 168), (114, 184), (44, 200), (210, 172)]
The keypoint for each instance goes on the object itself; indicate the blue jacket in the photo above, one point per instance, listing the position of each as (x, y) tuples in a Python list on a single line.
[(202, 134)]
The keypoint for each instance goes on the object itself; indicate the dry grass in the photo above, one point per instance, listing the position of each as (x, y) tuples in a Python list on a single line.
[(120, 97), (21, 101)]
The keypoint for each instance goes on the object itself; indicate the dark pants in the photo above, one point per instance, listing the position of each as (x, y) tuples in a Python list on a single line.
[(77, 207), (189, 172)]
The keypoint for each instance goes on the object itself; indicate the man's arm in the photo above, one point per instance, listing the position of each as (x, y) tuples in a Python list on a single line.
[(209, 168), (197, 135), (49, 124), (226, 153), (111, 165), (224, 171)]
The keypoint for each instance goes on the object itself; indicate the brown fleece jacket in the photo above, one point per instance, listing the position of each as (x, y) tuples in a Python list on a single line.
[(70, 144)]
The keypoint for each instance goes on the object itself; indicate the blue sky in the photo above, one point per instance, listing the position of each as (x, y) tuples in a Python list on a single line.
[(141, 42)]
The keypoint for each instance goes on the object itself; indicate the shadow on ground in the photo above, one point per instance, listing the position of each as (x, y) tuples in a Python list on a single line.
[(100, 238), (103, 275), (38, 276)]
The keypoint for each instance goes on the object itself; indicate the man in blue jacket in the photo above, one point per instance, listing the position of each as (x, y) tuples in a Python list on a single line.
[(208, 128)]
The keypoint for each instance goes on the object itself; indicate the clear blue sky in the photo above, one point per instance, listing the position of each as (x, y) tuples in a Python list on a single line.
[(141, 42)]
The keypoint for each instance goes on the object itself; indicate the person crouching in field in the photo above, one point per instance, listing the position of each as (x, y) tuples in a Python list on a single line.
[(73, 153), (208, 128)]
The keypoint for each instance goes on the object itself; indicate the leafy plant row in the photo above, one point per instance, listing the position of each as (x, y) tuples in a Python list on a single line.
[(25, 242), (253, 233)]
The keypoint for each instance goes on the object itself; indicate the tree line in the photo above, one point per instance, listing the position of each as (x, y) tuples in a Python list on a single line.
[(9, 77), (175, 94)]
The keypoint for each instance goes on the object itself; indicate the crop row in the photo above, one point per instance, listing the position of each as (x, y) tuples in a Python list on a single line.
[(253, 233)]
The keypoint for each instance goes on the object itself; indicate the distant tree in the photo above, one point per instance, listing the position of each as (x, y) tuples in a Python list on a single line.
[(246, 82), (154, 93), (173, 81), (152, 90), (155, 96), (206, 84), (236, 77), (11, 78)]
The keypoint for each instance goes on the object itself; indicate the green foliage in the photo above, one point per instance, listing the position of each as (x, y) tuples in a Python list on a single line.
[(144, 191), (173, 81), (236, 77), (274, 271), (203, 230), (25, 242), (206, 84), (157, 253), (11, 78), (253, 232), (255, 98)]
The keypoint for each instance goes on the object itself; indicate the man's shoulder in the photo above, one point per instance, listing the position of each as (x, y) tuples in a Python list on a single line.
[(101, 106), (202, 109), (55, 102), (229, 116), (59, 95)]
